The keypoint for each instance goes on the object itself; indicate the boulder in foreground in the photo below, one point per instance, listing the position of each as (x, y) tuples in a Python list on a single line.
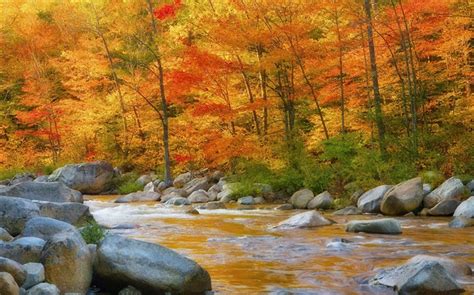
[(88, 178), (15, 212), (301, 198), (387, 226), (422, 277), (370, 201), (42, 191), (149, 267), (8, 286), (74, 213), (466, 208), (451, 189)]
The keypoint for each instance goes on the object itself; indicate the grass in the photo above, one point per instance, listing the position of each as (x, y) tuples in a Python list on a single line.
[(93, 233)]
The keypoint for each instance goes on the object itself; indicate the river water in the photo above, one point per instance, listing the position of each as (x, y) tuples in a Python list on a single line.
[(244, 254)]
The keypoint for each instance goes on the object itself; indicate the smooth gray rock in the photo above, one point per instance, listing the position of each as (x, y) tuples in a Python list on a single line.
[(451, 189), (403, 198), (444, 208), (466, 208), (249, 200), (88, 178), (173, 195), (259, 200), (424, 277), (470, 186), (144, 179), (427, 188), (23, 250), (139, 197), (199, 196), (5, 235), (301, 198), (22, 177), (149, 267), (15, 212), (182, 179), (455, 268), (67, 263), (388, 226), (461, 222), (42, 178), (13, 268), (351, 210), (323, 201), (8, 286), (74, 213), (44, 289), (45, 228), (130, 290), (213, 206), (197, 184), (370, 201), (178, 201), (34, 274), (42, 191), (307, 219)]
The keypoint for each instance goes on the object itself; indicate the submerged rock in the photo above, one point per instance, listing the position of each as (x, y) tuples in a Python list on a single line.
[(453, 267), (301, 198), (451, 189), (139, 197), (284, 207), (388, 226), (149, 267), (213, 206), (370, 201), (15, 212), (88, 178), (403, 198), (461, 222), (306, 219), (42, 191), (423, 277)]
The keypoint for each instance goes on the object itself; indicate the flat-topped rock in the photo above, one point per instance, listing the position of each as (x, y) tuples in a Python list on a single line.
[(42, 191), (139, 197), (305, 220), (378, 226)]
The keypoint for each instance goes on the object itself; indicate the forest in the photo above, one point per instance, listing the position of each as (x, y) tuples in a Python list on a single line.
[(294, 92)]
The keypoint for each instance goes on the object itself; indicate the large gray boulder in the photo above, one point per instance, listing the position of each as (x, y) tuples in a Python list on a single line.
[(13, 268), (201, 183), (466, 208), (199, 196), (139, 197), (451, 189), (403, 198), (370, 201), (182, 179), (322, 201), (43, 289), (45, 228), (88, 178), (34, 274), (149, 267), (74, 213), (387, 226), (423, 277), (15, 212), (301, 198), (248, 200), (444, 208), (23, 250), (8, 284), (42, 191), (304, 220), (67, 263), (455, 268)]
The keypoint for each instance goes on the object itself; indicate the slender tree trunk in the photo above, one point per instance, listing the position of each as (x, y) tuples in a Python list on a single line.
[(341, 73), (248, 88), (367, 85), (164, 104), (263, 89), (375, 80)]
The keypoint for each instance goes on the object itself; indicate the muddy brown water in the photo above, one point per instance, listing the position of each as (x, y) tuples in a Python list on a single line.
[(244, 254)]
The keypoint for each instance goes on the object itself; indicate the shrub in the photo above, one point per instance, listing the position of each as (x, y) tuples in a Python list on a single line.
[(93, 233), (129, 187)]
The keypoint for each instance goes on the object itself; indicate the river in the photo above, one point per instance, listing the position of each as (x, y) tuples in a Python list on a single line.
[(244, 254)]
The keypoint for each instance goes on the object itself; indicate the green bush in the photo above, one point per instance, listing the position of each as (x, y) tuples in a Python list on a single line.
[(9, 173), (93, 233), (129, 187)]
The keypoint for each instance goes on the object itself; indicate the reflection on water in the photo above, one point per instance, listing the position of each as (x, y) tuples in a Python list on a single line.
[(245, 255)]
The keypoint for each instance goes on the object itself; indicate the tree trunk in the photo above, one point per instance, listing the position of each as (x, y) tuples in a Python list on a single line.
[(248, 88), (164, 104), (375, 80), (263, 89), (341, 73)]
